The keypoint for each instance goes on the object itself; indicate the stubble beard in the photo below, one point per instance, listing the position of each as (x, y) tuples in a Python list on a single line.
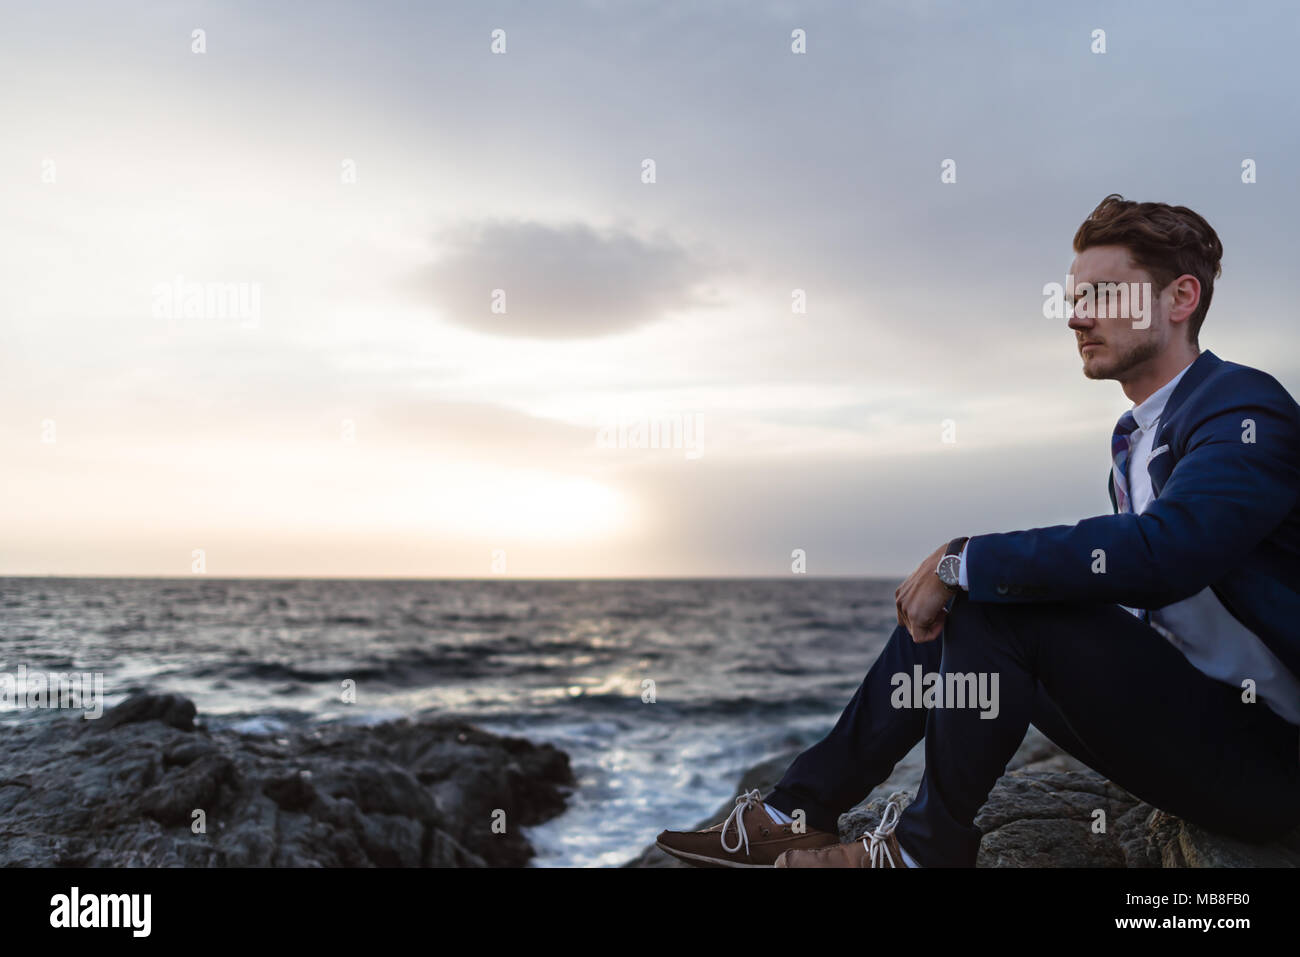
[(1140, 352)]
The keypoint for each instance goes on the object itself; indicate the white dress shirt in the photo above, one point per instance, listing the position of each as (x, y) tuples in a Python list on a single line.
[(1207, 634)]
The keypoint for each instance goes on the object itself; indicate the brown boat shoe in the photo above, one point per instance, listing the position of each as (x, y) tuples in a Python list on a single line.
[(747, 838), (878, 848)]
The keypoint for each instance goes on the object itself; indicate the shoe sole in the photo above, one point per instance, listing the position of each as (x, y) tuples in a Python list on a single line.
[(697, 859)]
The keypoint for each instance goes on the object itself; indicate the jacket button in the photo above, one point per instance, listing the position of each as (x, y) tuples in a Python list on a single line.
[(1001, 589)]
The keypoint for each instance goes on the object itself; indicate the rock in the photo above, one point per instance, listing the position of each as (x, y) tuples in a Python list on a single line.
[(445, 851), (209, 783), (170, 709), (291, 792), (1171, 842), (1041, 813), (122, 791)]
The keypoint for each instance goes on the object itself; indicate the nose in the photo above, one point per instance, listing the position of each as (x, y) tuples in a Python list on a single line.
[(1079, 321)]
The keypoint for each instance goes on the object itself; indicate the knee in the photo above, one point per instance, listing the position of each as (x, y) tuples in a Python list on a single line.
[(976, 617), (1005, 620), (981, 629)]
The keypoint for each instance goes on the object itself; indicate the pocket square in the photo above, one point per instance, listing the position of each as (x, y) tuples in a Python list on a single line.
[(1155, 452)]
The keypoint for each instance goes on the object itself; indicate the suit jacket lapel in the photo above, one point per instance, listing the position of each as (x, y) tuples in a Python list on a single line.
[(1159, 467), (1205, 363)]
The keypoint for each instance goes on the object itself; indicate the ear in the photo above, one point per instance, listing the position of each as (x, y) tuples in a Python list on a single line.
[(1184, 296)]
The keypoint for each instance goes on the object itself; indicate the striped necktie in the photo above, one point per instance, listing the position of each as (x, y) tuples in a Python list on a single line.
[(1119, 447), (1120, 443)]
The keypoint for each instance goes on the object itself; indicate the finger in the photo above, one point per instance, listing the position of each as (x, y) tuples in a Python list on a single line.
[(911, 618), (931, 632)]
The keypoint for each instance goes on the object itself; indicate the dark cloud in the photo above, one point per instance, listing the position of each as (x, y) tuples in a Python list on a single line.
[(560, 282)]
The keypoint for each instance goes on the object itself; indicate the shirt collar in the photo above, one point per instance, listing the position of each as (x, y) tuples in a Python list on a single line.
[(1149, 411)]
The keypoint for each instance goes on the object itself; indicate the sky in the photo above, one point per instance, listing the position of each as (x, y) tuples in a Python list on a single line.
[(373, 289)]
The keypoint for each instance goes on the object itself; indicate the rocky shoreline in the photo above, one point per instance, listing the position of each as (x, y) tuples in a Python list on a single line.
[(147, 786), (131, 789), (1041, 814)]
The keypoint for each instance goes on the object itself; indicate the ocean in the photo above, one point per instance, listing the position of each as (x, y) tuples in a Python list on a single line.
[(662, 692)]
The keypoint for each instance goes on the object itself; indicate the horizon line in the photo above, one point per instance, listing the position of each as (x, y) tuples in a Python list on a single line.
[(442, 578)]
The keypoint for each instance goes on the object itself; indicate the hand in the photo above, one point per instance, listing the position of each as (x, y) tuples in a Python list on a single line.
[(921, 599)]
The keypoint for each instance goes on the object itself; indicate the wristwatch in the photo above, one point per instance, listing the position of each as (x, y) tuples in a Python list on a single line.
[(949, 569)]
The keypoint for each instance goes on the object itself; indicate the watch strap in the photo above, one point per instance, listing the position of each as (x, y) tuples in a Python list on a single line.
[(954, 548)]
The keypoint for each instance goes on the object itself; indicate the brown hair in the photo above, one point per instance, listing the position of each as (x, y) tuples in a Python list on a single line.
[(1167, 241)]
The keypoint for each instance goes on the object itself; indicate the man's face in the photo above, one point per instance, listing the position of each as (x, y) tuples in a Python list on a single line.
[(1104, 324)]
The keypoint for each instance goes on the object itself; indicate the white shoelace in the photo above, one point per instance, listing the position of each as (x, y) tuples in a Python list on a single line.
[(877, 848), (743, 803)]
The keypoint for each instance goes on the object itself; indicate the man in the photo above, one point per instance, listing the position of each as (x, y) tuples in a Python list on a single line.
[(1159, 645)]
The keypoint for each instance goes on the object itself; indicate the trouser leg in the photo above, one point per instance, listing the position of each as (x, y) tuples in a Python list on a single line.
[(870, 737), (866, 742), (1150, 721)]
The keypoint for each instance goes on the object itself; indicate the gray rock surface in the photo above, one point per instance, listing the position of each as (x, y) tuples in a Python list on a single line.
[(122, 791), (1041, 813)]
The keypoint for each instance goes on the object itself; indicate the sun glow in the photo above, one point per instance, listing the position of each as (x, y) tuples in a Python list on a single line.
[(530, 506)]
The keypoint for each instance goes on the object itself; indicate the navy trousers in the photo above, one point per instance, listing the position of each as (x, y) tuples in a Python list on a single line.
[(1101, 684)]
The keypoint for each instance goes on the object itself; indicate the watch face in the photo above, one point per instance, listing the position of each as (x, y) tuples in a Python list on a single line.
[(948, 570)]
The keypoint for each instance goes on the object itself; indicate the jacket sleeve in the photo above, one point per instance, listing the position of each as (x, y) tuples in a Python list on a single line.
[(1225, 495)]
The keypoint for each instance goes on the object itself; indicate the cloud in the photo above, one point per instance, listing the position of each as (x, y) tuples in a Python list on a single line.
[(560, 282), (481, 432)]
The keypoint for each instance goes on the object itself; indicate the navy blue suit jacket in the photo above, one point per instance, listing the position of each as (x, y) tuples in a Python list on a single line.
[(1225, 470)]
